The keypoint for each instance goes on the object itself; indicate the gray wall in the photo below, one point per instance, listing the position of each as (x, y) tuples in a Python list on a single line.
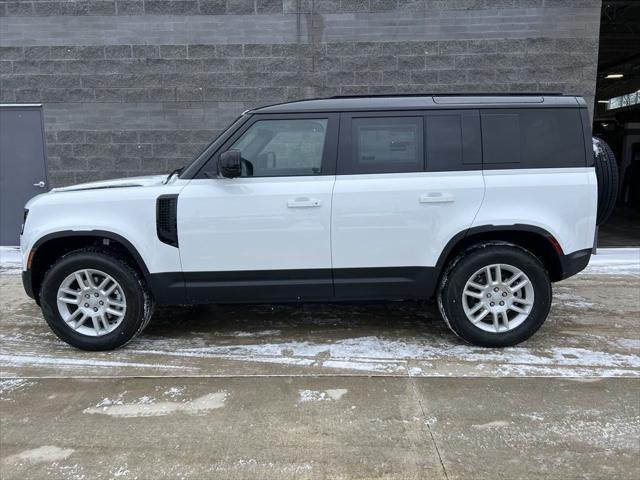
[(136, 86)]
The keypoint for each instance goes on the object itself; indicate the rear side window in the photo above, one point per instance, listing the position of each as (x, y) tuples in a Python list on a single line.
[(532, 138), (453, 140), (385, 145)]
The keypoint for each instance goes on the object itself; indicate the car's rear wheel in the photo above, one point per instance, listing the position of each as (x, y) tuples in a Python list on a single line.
[(94, 300), (495, 295)]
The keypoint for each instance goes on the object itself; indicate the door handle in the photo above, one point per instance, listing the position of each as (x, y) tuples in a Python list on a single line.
[(437, 197), (40, 184), (303, 203)]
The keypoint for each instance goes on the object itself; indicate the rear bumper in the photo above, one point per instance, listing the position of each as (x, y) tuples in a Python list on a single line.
[(27, 283), (574, 262)]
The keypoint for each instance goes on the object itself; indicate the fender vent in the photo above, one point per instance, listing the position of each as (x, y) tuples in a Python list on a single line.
[(167, 219)]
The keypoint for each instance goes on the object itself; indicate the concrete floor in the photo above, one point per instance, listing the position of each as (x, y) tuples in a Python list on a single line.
[(313, 391)]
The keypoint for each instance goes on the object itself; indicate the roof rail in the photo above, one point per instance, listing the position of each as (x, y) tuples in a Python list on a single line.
[(469, 94)]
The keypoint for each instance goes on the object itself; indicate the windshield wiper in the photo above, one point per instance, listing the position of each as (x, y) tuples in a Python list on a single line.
[(177, 171)]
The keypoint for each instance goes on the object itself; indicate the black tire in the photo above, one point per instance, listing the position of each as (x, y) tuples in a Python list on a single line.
[(608, 180), (463, 267), (139, 303)]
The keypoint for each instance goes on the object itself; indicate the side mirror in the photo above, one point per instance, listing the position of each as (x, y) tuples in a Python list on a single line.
[(230, 164)]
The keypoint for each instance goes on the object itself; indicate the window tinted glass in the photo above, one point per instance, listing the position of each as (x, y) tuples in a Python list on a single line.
[(387, 145), (533, 138), (453, 140), (444, 142), (272, 148)]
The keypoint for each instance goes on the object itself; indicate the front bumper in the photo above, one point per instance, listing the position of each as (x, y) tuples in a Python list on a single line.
[(27, 283)]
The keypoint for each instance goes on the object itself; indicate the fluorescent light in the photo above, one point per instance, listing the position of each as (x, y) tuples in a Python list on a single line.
[(603, 101), (614, 75)]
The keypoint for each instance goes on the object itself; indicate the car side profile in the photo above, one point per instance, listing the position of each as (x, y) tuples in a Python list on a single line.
[(478, 201)]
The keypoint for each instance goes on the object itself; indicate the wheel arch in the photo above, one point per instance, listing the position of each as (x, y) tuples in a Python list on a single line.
[(536, 240), (47, 249)]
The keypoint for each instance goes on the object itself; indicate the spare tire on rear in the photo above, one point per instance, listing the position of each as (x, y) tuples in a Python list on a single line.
[(608, 179)]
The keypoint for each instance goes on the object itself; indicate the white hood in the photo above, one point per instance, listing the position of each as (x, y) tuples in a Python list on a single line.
[(116, 183)]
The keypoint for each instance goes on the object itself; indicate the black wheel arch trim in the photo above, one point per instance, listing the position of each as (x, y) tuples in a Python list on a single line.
[(517, 227), (28, 277)]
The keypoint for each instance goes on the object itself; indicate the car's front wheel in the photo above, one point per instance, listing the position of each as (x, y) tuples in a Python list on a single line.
[(495, 295), (94, 300)]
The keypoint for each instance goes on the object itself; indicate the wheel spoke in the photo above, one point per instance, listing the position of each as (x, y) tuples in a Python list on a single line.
[(103, 283), (520, 285), (96, 324), (105, 322), (117, 313), (496, 321), (115, 303), (488, 273), (70, 301), (476, 308), (481, 315), (505, 320), (473, 294), (513, 279), (68, 291), (80, 322), (475, 285), (523, 301), (498, 274), (515, 308), (81, 282), (110, 290), (89, 278)]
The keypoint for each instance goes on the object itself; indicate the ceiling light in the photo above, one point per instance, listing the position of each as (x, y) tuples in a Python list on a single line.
[(614, 75), (603, 101)]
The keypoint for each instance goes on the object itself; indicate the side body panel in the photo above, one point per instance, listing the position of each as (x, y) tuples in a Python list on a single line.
[(127, 212), (558, 200)]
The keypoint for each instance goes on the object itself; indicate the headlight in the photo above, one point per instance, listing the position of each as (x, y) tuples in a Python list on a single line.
[(24, 220)]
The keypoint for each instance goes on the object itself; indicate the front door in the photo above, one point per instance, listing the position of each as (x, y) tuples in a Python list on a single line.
[(23, 172), (266, 235)]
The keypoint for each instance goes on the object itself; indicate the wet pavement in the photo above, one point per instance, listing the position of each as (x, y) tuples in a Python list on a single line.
[(328, 391)]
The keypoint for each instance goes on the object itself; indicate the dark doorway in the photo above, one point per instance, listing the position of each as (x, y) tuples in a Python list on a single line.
[(23, 169), (617, 114)]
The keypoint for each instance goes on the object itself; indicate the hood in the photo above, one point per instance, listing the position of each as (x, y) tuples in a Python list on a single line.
[(116, 183)]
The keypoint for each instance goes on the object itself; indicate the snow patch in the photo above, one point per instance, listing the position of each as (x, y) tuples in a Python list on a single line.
[(8, 385), (149, 407), (10, 260), (615, 261), (495, 424), (45, 454), (321, 395)]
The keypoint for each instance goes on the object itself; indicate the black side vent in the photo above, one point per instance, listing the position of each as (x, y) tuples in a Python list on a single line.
[(167, 219)]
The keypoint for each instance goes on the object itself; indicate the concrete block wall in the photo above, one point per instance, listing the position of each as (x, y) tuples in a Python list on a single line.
[(135, 87)]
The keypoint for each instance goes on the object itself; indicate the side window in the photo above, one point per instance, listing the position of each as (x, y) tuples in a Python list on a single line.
[(385, 145), (272, 148), (453, 141), (533, 138)]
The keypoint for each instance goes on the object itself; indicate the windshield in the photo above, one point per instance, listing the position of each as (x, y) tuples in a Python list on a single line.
[(193, 167)]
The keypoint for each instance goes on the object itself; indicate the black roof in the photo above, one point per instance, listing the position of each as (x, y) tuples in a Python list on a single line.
[(422, 102)]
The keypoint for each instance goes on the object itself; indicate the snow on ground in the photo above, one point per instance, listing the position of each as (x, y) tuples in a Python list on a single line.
[(615, 261), (10, 260)]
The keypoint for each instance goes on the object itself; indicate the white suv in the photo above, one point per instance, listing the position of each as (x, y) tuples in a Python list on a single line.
[(480, 201)]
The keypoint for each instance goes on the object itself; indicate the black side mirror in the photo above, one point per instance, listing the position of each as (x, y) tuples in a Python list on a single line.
[(230, 164)]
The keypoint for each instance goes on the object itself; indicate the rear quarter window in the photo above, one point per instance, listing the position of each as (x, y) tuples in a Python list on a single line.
[(532, 138)]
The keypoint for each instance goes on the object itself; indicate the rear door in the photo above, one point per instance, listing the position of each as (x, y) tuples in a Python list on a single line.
[(407, 183), (265, 235)]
